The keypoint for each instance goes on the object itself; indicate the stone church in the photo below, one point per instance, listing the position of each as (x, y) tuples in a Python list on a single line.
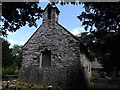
[(54, 56)]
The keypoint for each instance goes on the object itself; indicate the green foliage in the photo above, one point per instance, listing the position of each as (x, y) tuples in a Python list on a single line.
[(102, 16), (65, 2), (19, 14), (8, 71), (16, 50), (11, 58), (16, 71), (102, 20), (7, 57), (92, 79), (87, 39), (17, 53)]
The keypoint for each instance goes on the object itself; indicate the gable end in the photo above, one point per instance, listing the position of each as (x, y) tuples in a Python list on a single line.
[(32, 36)]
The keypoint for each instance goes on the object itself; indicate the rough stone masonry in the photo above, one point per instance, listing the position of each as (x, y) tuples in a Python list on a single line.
[(52, 55)]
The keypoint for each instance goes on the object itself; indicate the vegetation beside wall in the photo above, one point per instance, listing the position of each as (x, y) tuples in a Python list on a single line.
[(11, 58)]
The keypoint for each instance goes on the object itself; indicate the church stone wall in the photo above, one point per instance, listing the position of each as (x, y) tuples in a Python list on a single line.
[(86, 64), (65, 57), (65, 68), (63, 47)]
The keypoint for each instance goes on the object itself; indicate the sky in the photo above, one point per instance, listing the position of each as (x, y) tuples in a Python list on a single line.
[(67, 18)]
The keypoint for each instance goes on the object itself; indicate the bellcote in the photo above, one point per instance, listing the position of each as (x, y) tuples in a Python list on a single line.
[(50, 13)]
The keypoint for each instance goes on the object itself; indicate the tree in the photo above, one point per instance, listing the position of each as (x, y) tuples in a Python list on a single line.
[(86, 39), (103, 21), (17, 53), (19, 14), (7, 57), (11, 58), (102, 16)]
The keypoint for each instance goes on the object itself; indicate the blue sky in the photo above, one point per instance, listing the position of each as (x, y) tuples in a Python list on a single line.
[(67, 18)]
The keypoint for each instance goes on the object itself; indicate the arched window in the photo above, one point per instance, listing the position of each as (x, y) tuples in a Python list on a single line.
[(45, 58)]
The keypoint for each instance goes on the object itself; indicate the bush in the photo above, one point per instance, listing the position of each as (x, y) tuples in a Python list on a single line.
[(94, 79), (8, 71), (16, 71)]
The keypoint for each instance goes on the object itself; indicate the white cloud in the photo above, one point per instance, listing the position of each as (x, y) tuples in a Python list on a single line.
[(77, 31), (13, 42), (22, 42), (11, 33)]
